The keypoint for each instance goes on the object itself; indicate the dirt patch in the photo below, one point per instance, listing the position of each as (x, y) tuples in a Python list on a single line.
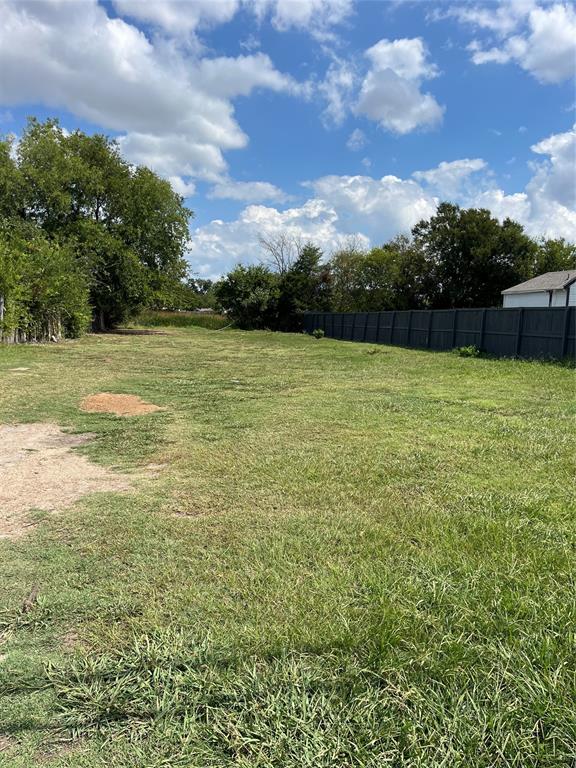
[(121, 405), (39, 470)]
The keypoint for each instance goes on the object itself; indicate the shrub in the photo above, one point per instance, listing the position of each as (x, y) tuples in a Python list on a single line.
[(318, 333), (469, 351)]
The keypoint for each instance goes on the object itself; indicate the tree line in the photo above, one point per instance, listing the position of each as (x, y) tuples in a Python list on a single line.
[(88, 239), (85, 237), (456, 258)]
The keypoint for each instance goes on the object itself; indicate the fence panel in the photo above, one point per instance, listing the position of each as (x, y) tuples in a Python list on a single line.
[(539, 332)]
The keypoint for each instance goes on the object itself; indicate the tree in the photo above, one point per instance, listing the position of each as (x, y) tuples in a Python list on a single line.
[(281, 250), (249, 295), (127, 226), (554, 256), (306, 285), (471, 257), (43, 290)]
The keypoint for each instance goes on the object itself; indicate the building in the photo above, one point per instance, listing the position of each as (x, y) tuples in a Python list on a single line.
[(552, 289)]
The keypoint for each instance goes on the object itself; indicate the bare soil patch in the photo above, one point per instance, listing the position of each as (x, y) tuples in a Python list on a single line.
[(121, 405), (39, 470)]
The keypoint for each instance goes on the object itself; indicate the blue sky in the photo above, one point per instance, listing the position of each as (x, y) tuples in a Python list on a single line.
[(320, 118)]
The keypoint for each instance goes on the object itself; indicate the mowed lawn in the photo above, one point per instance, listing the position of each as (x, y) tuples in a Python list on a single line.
[(349, 556)]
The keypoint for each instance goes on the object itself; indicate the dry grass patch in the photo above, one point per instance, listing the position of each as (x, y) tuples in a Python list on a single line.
[(39, 470), (121, 405)]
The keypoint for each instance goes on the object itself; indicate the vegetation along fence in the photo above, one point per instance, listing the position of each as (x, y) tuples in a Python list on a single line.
[(530, 332)]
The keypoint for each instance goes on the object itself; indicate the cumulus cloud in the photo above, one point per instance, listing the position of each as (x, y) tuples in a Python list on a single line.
[(391, 91), (174, 112), (544, 43), (448, 177)]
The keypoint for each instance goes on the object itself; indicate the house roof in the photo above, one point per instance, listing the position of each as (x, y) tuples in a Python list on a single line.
[(549, 281)]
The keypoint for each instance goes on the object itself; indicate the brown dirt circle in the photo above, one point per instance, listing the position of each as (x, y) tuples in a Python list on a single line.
[(121, 405)]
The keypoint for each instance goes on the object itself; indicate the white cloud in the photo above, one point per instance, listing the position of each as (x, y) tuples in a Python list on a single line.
[(545, 43), (337, 89), (313, 16), (356, 140), (555, 179), (182, 187), (390, 93), (448, 177), (380, 208), (247, 191), (407, 58), (501, 18), (174, 112), (176, 16)]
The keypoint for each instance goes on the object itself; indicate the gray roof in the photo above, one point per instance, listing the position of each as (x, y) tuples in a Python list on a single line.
[(549, 281)]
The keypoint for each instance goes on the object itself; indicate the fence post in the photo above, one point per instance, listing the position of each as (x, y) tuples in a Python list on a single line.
[(482, 330), (365, 327), (353, 326), (519, 333), (409, 328), (429, 334), (565, 334), (454, 328), (392, 324), (378, 327)]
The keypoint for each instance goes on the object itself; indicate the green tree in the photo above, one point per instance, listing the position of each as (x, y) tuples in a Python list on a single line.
[(555, 256), (128, 227), (471, 257), (43, 290), (306, 285), (249, 295)]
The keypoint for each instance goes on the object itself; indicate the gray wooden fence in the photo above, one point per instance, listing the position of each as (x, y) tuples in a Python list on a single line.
[(530, 332)]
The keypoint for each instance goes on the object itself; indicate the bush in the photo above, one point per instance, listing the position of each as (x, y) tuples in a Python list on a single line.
[(249, 296), (318, 333), (470, 351)]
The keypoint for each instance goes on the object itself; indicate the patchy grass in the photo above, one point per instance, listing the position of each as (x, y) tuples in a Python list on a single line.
[(344, 559), (163, 318)]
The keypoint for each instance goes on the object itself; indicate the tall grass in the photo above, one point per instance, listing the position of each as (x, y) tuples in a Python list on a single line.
[(160, 318)]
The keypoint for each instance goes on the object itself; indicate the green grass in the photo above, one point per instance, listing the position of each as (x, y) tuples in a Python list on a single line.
[(354, 556), (150, 318)]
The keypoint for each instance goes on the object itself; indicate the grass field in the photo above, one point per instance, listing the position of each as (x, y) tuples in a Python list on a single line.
[(352, 556)]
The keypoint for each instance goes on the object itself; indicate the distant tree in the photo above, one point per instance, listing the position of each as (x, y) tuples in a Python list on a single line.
[(347, 281), (249, 295), (306, 285), (471, 257), (280, 250), (554, 256)]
